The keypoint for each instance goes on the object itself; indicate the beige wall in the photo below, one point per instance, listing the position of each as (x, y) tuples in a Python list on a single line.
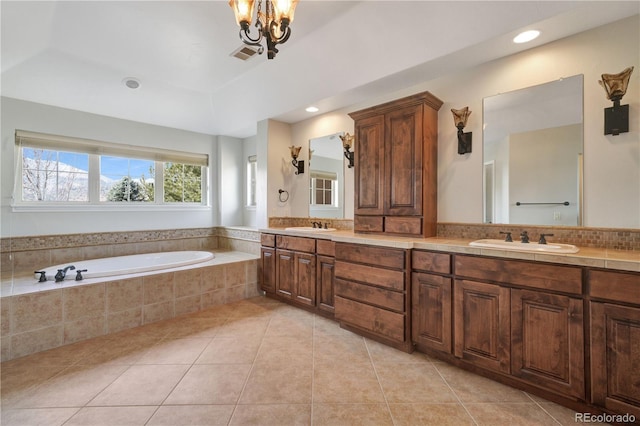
[(612, 163)]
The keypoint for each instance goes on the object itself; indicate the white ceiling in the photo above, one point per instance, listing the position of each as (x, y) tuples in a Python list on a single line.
[(76, 54)]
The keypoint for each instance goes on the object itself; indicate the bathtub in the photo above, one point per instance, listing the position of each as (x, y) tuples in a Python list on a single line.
[(124, 265)]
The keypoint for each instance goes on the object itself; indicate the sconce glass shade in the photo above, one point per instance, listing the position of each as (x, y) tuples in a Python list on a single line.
[(284, 10), (616, 84), (295, 151), (460, 117), (347, 141), (243, 9)]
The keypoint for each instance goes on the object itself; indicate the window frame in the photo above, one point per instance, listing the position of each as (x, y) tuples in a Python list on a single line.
[(94, 149)]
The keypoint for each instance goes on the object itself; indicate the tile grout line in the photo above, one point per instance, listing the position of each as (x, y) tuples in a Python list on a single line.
[(542, 408), (454, 392), (253, 364), (375, 371)]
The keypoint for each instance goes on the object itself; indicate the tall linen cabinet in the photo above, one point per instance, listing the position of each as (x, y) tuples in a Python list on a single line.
[(396, 153)]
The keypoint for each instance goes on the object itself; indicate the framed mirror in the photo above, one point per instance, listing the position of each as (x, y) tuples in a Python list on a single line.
[(326, 177), (532, 155)]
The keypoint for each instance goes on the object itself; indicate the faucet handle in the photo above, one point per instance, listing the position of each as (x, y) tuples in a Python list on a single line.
[(79, 276), (507, 238), (43, 276), (542, 239)]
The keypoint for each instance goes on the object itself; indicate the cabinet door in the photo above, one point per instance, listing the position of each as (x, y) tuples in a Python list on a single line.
[(369, 166), (285, 273), (481, 321), (403, 161), (305, 278), (547, 341), (615, 357), (431, 311), (325, 282), (268, 270)]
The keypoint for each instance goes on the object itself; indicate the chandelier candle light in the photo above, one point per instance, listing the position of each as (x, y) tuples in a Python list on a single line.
[(272, 23)]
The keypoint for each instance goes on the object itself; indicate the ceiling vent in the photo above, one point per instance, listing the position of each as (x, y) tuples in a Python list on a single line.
[(244, 52)]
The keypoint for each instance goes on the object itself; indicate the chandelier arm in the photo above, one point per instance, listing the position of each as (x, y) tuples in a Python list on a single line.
[(246, 38), (283, 38)]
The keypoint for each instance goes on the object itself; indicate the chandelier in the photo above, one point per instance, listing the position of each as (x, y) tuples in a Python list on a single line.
[(272, 23)]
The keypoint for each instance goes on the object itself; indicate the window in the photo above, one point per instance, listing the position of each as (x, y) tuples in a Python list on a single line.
[(252, 172), (69, 171), (322, 189)]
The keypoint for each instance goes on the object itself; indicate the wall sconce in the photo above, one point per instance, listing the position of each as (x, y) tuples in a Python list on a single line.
[(299, 165), (460, 117), (347, 144), (616, 118)]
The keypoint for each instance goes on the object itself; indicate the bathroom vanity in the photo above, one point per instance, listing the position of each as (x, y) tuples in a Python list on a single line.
[(565, 327)]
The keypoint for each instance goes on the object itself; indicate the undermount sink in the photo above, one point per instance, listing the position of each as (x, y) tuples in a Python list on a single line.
[(518, 246), (309, 229)]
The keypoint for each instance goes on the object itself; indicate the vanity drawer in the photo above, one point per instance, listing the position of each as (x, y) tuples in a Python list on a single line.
[(326, 248), (567, 279), (403, 225), (617, 286), (431, 262), (268, 240), (372, 295), (380, 321), (372, 255), (386, 278), (368, 223), (307, 245)]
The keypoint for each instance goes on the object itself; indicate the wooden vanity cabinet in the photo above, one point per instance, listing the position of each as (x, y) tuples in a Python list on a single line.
[(325, 277), (296, 269), (522, 318), (431, 301), (371, 293), (267, 265), (615, 340), (396, 166)]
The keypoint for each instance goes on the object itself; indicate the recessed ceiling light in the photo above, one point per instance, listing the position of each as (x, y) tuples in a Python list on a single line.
[(526, 36), (131, 83), (312, 109)]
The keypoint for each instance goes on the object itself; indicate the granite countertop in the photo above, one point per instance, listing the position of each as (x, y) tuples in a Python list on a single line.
[(587, 256)]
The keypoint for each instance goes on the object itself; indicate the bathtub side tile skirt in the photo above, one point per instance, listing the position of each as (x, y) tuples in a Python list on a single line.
[(40, 321)]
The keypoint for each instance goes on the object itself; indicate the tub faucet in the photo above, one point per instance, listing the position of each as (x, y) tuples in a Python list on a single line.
[(524, 237), (79, 276), (63, 273)]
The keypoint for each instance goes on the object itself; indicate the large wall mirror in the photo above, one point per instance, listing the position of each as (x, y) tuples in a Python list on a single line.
[(326, 177), (532, 155)]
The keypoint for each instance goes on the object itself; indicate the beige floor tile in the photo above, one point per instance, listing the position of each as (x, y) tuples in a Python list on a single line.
[(124, 351), (210, 384), (243, 326), (426, 414), (19, 381), (194, 327), (281, 325), (141, 385), (272, 415), (36, 416), (470, 387), (323, 326), (344, 348), (383, 353), (563, 415), (337, 382), (281, 350), (73, 387), (509, 414), (179, 415), (230, 350), (174, 351), (413, 383), (351, 415), (111, 416), (279, 384)]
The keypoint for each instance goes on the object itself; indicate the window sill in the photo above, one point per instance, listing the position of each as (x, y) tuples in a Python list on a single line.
[(52, 208)]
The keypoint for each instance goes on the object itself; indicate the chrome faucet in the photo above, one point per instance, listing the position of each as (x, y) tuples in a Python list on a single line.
[(63, 273)]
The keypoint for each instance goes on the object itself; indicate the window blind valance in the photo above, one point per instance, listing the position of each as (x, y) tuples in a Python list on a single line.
[(67, 143)]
